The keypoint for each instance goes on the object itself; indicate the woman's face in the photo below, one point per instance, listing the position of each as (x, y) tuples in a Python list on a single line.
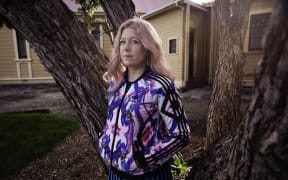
[(132, 52)]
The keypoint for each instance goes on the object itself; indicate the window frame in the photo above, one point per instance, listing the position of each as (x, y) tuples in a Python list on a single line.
[(16, 48), (249, 33), (176, 44), (100, 29)]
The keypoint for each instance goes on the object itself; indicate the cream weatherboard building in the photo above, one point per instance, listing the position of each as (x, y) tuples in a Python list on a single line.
[(19, 64), (189, 41)]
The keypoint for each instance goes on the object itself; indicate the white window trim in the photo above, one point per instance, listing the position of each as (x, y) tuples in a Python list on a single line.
[(177, 46), (101, 34), (16, 49), (110, 32), (18, 61)]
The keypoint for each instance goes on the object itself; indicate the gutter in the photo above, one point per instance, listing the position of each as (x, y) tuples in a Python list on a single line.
[(198, 6), (162, 9), (166, 7)]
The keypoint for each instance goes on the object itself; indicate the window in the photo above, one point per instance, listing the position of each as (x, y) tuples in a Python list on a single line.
[(21, 46), (258, 24), (22, 55), (172, 46)]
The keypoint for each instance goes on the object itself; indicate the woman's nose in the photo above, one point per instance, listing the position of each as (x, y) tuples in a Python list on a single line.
[(127, 46)]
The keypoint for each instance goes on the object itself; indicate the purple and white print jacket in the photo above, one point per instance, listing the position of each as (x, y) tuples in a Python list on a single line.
[(145, 126)]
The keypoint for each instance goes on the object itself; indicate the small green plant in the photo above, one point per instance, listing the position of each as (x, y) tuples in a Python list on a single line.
[(178, 166), (88, 8)]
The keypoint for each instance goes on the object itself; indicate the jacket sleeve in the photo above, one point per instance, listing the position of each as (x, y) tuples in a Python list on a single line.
[(176, 127)]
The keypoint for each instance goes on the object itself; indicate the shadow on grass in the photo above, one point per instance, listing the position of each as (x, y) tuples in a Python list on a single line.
[(26, 136)]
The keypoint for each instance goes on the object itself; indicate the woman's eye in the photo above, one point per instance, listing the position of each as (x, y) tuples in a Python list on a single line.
[(122, 42), (134, 41)]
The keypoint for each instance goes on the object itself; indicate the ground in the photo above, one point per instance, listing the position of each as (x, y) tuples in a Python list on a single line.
[(75, 157)]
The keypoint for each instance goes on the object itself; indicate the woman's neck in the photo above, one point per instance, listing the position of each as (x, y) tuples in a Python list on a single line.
[(134, 74)]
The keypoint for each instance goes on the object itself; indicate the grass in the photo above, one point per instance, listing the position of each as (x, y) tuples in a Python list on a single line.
[(24, 137)]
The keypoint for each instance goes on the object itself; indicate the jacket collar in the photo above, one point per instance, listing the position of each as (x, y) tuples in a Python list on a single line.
[(147, 70)]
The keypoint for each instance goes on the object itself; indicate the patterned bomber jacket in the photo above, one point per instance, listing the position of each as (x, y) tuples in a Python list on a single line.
[(145, 125)]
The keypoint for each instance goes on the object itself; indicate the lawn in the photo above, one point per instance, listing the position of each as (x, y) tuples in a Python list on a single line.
[(25, 137)]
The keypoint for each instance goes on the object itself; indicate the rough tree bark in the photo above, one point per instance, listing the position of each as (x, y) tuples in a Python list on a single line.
[(224, 107), (117, 12), (259, 151), (68, 52)]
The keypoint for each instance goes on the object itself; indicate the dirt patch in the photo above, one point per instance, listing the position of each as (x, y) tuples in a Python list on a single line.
[(75, 157), (33, 97)]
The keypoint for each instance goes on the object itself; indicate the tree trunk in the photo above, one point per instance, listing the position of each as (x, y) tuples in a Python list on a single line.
[(68, 52), (117, 12), (259, 151), (224, 107)]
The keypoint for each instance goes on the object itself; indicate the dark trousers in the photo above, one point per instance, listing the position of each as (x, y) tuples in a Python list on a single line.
[(162, 173)]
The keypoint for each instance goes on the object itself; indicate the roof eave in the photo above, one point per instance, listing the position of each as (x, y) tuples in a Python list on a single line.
[(172, 5), (161, 9), (198, 6)]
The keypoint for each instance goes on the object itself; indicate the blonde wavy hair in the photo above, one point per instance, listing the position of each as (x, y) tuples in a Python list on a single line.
[(150, 40)]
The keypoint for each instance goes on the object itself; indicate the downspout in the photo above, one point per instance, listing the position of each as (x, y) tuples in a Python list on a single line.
[(176, 2), (186, 46), (213, 45), (184, 43)]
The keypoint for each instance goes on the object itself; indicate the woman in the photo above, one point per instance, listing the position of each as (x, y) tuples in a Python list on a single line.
[(146, 123)]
